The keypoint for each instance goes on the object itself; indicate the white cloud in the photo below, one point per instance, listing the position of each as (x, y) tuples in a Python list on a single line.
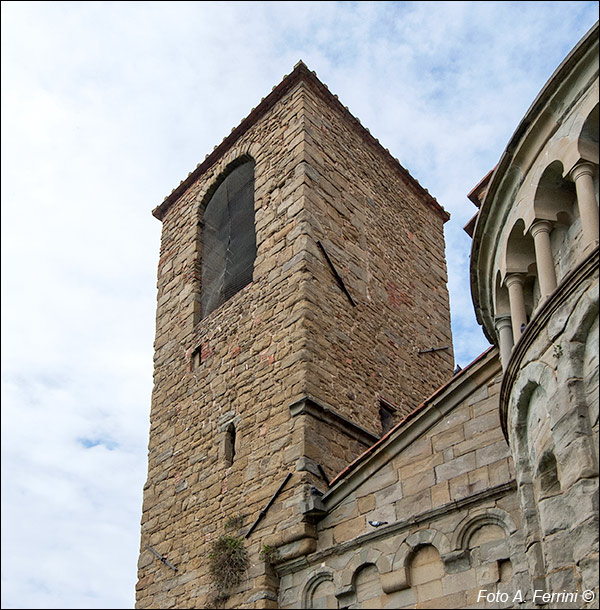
[(105, 107)]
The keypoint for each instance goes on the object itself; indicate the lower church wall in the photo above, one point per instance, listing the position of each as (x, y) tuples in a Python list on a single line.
[(443, 488)]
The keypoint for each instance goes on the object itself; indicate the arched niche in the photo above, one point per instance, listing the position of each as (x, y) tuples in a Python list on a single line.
[(556, 201), (426, 570), (501, 302), (319, 591), (587, 143), (554, 197), (519, 251), (467, 528), (367, 587)]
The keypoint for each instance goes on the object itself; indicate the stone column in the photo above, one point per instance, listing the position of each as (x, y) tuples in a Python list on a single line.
[(514, 283), (505, 339), (540, 230), (583, 176)]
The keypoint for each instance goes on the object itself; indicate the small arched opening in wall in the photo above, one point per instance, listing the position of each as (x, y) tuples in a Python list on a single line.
[(229, 445), (484, 538), (522, 422), (547, 480), (501, 302)]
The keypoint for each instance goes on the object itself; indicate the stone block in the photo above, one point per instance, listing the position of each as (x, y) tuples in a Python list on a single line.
[(428, 591), (483, 423), (418, 483), (400, 599), (460, 581), (455, 467), (349, 530), (447, 438), (478, 395), (499, 472), (440, 494), (366, 504), (395, 581), (383, 479), (488, 574), (555, 515), (492, 453), (459, 487), (415, 467), (413, 505)]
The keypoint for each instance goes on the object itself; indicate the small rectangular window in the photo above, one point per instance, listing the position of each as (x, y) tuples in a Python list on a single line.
[(196, 358)]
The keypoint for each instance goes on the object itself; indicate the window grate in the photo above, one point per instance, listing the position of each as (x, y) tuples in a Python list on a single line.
[(228, 238)]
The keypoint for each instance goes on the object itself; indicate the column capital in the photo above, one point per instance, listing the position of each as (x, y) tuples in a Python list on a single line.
[(582, 168), (540, 226), (503, 322), (514, 278)]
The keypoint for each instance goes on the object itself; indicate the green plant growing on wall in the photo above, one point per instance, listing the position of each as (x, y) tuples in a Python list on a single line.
[(268, 554), (228, 564), (234, 523)]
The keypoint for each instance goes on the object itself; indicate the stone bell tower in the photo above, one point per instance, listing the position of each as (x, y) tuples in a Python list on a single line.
[(302, 309)]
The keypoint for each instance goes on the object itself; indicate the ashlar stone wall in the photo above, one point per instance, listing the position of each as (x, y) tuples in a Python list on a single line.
[(441, 486)]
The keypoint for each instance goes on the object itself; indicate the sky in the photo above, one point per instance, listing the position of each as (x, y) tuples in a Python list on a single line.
[(106, 107)]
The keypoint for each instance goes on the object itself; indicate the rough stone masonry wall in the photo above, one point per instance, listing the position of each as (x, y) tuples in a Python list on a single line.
[(453, 519), (248, 375), (259, 353), (385, 239), (553, 432)]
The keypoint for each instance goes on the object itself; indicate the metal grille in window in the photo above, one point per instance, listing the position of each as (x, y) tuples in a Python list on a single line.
[(228, 238)]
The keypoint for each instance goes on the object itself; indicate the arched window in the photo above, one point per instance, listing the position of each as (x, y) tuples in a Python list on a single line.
[(228, 238)]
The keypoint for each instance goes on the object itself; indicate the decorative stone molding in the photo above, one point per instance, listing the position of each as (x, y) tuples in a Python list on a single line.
[(416, 540), (365, 557), (472, 522), (311, 585)]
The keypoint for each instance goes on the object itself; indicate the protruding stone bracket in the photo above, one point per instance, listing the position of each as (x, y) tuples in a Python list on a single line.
[(313, 508), (456, 561)]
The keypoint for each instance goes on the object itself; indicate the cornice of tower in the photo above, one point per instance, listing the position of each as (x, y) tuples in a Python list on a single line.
[(300, 73)]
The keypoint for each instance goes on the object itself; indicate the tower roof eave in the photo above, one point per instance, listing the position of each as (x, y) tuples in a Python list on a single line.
[(299, 73)]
